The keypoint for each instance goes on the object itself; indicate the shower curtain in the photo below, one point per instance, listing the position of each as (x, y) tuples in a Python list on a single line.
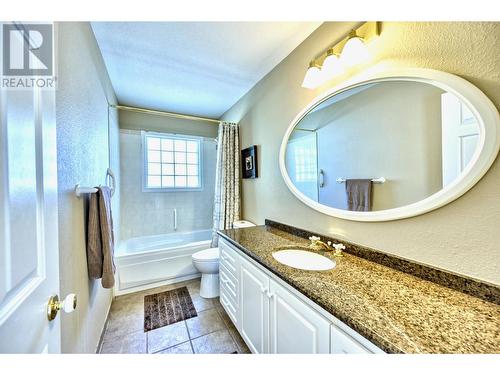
[(227, 179)]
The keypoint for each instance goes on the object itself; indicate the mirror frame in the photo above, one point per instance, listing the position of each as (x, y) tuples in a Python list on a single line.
[(484, 156)]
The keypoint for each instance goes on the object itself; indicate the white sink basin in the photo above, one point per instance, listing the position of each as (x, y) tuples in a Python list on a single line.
[(304, 260)]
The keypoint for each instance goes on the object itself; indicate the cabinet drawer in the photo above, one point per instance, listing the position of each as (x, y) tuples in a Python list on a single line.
[(228, 305), (342, 343), (228, 282), (228, 258)]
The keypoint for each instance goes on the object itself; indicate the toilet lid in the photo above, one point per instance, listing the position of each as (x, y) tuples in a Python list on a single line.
[(207, 255)]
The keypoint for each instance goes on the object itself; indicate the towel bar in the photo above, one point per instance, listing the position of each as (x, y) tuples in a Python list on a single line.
[(379, 180), (79, 190)]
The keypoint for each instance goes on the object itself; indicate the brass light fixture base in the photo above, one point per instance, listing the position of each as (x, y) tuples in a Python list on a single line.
[(366, 31)]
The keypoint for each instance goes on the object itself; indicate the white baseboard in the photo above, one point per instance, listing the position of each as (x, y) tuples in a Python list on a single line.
[(99, 343), (156, 284)]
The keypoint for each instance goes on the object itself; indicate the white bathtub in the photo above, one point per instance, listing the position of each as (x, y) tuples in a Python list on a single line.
[(150, 261)]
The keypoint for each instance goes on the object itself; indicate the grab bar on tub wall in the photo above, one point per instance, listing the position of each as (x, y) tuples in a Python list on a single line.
[(112, 185), (321, 178), (175, 218)]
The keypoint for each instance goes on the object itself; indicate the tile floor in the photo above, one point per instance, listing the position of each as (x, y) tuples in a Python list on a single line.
[(210, 332)]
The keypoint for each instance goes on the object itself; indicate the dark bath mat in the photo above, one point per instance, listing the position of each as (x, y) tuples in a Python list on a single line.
[(172, 306)]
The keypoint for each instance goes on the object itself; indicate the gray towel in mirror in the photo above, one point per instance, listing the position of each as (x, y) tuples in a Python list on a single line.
[(359, 194)]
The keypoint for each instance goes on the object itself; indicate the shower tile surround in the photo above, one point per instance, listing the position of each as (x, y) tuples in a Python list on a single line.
[(211, 332), (151, 213), (388, 300)]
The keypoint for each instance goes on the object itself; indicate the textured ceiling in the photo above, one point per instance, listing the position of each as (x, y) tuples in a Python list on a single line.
[(198, 68)]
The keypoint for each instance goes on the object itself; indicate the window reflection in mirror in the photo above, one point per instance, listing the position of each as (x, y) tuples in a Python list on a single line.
[(415, 135)]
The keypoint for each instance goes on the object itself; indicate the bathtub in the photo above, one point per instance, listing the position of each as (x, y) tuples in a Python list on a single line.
[(150, 261)]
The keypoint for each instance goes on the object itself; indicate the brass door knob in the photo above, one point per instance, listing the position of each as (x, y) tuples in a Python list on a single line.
[(54, 305)]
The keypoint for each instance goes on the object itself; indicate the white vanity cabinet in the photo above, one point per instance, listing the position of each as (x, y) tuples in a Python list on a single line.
[(254, 307), (295, 327), (343, 343), (272, 317), (229, 266)]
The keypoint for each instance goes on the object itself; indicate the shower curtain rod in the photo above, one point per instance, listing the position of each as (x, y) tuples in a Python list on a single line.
[(163, 113)]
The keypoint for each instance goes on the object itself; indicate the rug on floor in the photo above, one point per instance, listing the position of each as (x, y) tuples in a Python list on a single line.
[(171, 306)]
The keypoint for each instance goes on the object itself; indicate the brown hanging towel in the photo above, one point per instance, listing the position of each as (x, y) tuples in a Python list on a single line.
[(100, 238), (107, 237)]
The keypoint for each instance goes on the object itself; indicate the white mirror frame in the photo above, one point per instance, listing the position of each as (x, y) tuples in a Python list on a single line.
[(484, 156)]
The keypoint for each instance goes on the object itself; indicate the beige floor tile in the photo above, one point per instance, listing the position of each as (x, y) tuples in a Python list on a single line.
[(212, 331), (184, 348), (129, 298), (194, 287), (202, 304), (238, 340), (126, 307), (167, 336), (225, 318), (193, 284), (119, 325), (206, 322), (217, 302), (134, 343), (160, 289), (219, 342)]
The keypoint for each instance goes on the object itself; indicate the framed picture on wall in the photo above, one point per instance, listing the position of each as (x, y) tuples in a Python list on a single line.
[(249, 162)]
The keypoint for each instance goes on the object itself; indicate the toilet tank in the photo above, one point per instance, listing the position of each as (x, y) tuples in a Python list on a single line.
[(243, 224)]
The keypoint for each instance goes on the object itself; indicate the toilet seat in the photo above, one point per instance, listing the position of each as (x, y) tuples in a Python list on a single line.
[(208, 255)]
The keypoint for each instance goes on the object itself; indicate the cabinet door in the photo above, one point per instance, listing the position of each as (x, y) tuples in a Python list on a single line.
[(294, 326), (254, 308), (342, 343)]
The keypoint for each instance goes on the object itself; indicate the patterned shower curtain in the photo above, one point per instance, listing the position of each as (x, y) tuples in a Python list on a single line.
[(227, 179)]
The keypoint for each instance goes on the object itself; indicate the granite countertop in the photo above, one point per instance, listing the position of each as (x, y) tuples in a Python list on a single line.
[(398, 312)]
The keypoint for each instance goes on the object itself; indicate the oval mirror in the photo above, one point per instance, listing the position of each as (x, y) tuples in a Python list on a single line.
[(391, 145)]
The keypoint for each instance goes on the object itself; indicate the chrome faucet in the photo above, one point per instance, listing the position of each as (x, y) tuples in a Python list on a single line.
[(317, 244)]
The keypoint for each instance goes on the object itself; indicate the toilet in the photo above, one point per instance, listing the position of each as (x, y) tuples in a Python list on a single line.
[(207, 262)]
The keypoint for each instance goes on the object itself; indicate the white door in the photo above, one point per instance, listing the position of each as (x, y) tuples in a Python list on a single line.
[(294, 326), (460, 134), (29, 270), (254, 308)]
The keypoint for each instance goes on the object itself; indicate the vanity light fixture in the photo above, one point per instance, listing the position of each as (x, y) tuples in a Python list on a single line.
[(332, 65), (354, 51), (313, 76), (350, 51)]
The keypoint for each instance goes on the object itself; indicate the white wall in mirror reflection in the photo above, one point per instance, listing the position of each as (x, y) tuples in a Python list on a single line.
[(411, 133), (431, 134)]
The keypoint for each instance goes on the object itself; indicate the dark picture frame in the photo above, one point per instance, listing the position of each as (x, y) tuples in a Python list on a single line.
[(249, 163)]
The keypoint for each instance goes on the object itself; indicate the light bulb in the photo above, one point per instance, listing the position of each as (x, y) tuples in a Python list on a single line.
[(332, 66), (313, 76), (354, 51)]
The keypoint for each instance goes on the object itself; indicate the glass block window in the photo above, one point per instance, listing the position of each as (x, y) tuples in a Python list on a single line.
[(172, 162), (305, 165)]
